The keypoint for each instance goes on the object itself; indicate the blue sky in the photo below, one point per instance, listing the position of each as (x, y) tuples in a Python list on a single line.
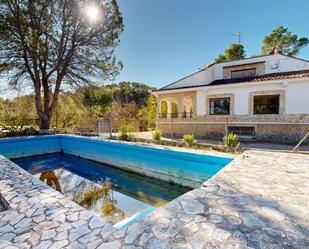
[(165, 40)]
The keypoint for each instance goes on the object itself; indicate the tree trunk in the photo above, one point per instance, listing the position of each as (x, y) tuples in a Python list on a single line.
[(45, 123)]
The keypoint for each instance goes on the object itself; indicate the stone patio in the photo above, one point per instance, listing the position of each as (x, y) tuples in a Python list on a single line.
[(260, 200)]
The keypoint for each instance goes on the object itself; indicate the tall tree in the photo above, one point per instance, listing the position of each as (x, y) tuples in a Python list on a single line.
[(98, 100), (126, 92), (70, 112), (147, 114), (52, 44), (289, 43), (17, 112), (233, 52)]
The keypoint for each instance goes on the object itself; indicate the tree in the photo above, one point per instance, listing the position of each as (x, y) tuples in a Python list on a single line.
[(127, 92), (289, 43), (147, 114), (70, 112), (125, 117), (233, 52), (18, 112), (220, 58), (98, 100), (51, 44)]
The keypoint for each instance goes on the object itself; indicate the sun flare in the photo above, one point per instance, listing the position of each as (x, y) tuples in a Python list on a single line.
[(92, 13)]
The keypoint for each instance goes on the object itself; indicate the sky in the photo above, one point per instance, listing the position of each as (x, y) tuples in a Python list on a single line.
[(165, 40)]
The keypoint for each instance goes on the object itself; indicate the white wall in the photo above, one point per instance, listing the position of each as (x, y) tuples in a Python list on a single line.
[(285, 64), (297, 96), (200, 103)]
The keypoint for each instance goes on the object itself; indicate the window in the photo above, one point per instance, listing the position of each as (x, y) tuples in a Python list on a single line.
[(243, 73), (266, 104), (220, 106), (163, 113)]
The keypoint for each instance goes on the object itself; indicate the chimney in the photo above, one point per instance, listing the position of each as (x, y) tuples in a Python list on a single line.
[(205, 65), (275, 50)]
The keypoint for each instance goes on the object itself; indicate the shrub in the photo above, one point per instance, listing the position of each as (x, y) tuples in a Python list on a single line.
[(125, 130), (18, 131), (189, 139), (156, 135), (231, 140)]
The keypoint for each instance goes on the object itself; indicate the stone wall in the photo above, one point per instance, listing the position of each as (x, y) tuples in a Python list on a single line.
[(278, 128), (289, 133), (198, 129)]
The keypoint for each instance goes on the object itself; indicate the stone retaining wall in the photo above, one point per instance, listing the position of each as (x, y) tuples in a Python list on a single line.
[(277, 128)]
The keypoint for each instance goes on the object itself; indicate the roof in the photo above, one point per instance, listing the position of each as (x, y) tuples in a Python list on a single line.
[(247, 64), (265, 77), (191, 82), (167, 87)]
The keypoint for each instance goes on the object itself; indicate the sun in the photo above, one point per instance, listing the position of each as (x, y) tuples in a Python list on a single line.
[(92, 13)]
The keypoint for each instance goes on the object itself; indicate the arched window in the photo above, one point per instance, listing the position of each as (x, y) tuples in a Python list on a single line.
[(163, 109), (174, 110)]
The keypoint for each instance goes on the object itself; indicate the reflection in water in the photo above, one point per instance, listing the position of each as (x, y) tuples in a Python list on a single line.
[(51, 180), (91, 196), (104, 193), (114, 194), (86, 193)]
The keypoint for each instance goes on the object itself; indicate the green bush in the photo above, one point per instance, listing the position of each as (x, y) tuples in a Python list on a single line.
[(156, 135), (231, 140), (18, 132), (189, 139), (125, 131)]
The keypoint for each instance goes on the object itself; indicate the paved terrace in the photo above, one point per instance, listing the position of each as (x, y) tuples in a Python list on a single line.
[(261, 200)]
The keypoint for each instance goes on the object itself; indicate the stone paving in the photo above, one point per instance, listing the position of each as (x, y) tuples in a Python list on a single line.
[(40, 217), (260, 200)]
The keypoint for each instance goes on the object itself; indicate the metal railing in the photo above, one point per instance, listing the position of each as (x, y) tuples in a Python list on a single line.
[(176, 115), (266, 109)]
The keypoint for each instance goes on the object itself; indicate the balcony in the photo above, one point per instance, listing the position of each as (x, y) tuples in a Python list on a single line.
[(176, 115)]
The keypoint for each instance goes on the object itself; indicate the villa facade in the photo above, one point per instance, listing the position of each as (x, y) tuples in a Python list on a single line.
[(262, 97)]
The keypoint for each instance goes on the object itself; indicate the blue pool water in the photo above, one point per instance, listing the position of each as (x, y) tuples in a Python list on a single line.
[(132, 195)]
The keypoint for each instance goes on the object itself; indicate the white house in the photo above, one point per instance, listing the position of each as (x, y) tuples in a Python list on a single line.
[(264, 97)]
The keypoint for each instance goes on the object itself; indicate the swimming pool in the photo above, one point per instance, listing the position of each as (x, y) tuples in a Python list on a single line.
[(186, 169), (125, 195), (121, 181)]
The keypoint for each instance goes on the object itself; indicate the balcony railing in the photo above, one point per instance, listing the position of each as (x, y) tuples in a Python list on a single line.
[(176, 115)]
